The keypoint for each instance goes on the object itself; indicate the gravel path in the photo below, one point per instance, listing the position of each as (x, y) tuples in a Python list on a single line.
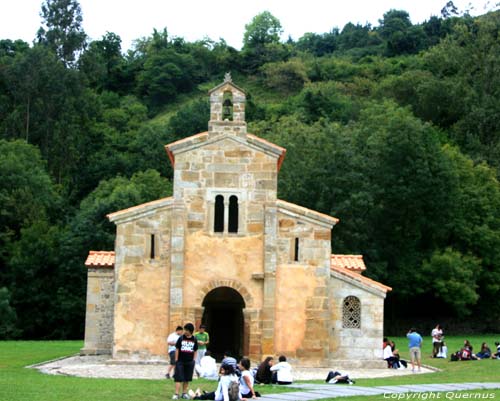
[(97, 366)]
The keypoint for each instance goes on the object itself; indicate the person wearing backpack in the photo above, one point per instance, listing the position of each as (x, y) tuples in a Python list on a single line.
[(228, 388)]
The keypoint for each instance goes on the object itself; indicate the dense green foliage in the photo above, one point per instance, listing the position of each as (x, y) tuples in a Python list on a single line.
[(393, 129)]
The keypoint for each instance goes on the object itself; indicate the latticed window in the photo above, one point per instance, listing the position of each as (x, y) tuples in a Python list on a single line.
[(351, 313)]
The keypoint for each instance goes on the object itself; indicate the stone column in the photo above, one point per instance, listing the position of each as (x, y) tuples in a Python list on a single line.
[(177, 264), (270, 260)]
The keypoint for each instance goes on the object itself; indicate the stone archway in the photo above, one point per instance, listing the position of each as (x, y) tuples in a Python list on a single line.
[(224, 318)]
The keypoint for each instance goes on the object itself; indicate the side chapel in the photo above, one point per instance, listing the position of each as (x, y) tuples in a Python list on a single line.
[(226, 252)]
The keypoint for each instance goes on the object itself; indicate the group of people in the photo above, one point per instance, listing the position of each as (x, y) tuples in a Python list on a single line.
[(188, 355), (439, 350), (466, 353)]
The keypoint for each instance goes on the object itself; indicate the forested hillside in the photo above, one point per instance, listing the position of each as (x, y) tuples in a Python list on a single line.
[(394, 129)]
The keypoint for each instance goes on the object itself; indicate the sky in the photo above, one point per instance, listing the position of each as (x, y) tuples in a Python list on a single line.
[(215, 19)]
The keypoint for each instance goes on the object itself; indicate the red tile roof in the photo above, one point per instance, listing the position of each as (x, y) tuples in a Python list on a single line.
[(355, 274), (351, 262), (100, 259)]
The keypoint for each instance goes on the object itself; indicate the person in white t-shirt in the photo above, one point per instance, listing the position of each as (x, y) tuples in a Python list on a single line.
[(171, 341), (437, 340), (207, 367), (283, 370), (247, 380)]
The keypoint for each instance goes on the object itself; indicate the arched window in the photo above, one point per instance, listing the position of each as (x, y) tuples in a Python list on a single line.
[(233, 214), (227, 106), (219, 214), (351, 313)]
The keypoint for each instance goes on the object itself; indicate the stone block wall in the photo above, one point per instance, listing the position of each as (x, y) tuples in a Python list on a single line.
[(142, 288), (226, 167), (99, 316), (356, 344), (302, 317)]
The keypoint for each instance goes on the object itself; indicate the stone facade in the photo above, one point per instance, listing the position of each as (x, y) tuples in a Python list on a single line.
[(223, 250)]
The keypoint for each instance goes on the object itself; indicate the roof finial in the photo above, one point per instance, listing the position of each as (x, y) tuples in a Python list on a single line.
[(227, 77)]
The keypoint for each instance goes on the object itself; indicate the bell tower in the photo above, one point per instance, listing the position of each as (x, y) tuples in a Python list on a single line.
[(227, 109)]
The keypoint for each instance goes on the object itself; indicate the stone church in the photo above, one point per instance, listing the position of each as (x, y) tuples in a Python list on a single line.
[(225, 251)]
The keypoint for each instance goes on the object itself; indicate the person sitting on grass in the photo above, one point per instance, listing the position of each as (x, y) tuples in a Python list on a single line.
[(225, 388), (283, 371), (264, 374), (485, 352), (497, 354), (247, 380)]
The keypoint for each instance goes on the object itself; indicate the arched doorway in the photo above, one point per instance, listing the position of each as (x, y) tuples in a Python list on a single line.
[(223, 316)]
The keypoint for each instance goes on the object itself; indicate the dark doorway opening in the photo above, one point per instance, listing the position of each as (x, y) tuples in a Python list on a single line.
[(223, 316)]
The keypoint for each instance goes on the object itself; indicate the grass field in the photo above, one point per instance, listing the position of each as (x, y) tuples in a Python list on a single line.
[(20, 384)]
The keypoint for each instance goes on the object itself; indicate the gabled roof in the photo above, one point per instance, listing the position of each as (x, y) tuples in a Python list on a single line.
[(356, 277), (351, 262), (100, 259), (201, 139), (305, 213), (226, 82), (140, 210)]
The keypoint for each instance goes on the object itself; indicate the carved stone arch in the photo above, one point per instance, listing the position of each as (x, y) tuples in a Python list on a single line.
[(235, 285)]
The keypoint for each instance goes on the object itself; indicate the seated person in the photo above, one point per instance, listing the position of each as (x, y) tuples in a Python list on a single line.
[(264, 374), (485, 352), (335, 377), (207, 368), (497, 354), (392, 361), (224, 388), (247, 380), (443, 351), (283, 370)]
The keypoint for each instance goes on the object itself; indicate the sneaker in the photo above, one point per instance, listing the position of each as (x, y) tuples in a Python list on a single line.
[(175, 397), (185, 396)]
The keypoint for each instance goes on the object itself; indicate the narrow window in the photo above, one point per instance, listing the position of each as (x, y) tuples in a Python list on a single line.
[(152, 250), (219, 214), (233, 214), (296, 251), (227, 106), (351, 313)]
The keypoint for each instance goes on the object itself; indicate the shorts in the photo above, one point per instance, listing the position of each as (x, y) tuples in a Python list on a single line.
[(415, 353), (184, 371), (171, 354)]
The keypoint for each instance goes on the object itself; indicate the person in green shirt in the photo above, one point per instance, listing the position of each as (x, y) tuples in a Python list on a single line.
[(203, 340)]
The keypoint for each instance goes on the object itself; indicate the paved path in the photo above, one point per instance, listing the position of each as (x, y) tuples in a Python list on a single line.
[(320, 391)]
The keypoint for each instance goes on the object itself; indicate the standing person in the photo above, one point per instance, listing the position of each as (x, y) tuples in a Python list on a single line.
[(185, 355), (283, 370), (171, 341), (203, 340), (415, 345), (437, 340)]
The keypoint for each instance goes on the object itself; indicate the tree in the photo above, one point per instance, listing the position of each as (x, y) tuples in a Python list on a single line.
[(63, 31), (264, 29), (261, 41)]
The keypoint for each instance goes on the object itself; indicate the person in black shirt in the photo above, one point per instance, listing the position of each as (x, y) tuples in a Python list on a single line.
[(185, 355)]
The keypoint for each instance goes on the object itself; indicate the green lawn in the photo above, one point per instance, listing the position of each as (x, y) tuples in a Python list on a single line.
[(20, 384)]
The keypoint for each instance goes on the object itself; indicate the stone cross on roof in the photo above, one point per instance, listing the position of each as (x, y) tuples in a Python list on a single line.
[(227, 77)]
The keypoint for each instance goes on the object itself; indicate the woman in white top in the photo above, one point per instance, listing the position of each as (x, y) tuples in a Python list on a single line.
[(284, 371), (223, 388), (247, 380)]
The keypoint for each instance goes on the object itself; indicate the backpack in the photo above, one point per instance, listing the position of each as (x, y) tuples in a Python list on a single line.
[(233, 391), (465, 354)]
